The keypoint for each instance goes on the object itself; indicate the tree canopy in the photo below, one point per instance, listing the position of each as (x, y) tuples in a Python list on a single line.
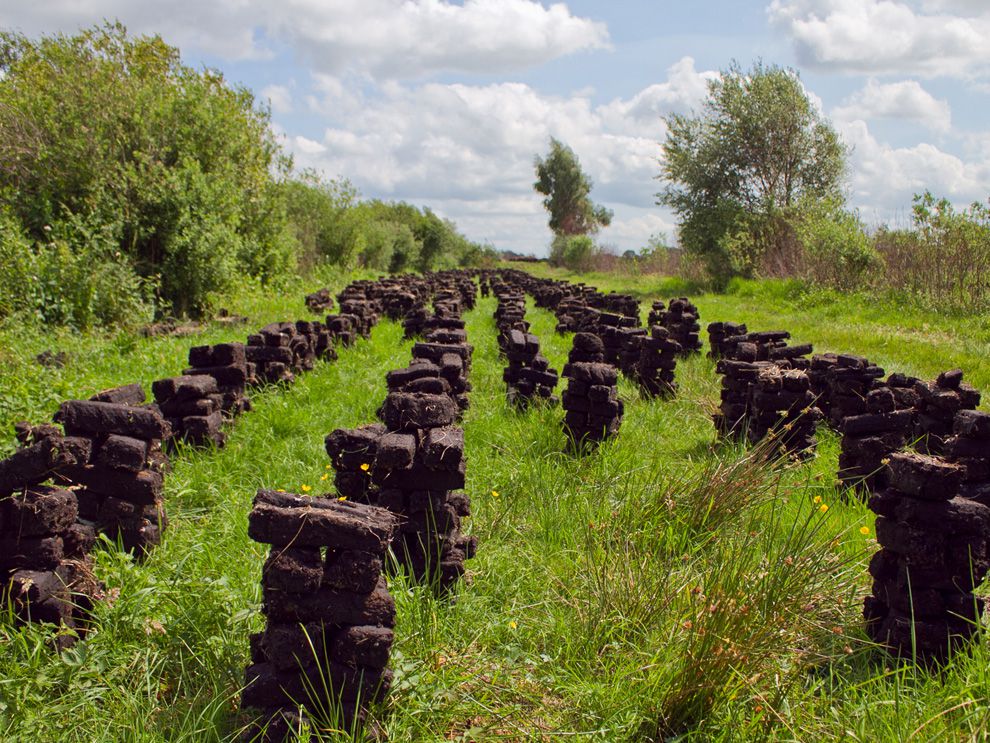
[(566, 190), (758, 150)]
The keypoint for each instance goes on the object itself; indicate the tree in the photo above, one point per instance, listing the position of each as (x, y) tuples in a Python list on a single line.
[(175, 169), (565, 188), (735, 173)]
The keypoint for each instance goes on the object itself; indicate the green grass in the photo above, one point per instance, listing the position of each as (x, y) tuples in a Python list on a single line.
[(660, 587)]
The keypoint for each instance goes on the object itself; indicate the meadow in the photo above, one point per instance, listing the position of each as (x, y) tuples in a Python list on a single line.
[(663, 587)]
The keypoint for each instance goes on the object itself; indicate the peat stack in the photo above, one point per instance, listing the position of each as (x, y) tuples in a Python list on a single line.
[(719, 334), (320, 301), (782, 410), (848, 379), (680, 317), (452, 358), (328, 613), (969, 447), (352, 455), (122, 481), (738, 377), (191, 405), (528, 376), (227, 364), (938, 403), (868, 439), (594, 410), (46, 572), (342, 328), (418, 468), (612, 328), (657, 361), (934, 553)]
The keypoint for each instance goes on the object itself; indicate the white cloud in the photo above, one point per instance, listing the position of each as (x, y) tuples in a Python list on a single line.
[(384, 38), (906, 101), (468, 150), (884, 178), (888, 36), (280, 98)]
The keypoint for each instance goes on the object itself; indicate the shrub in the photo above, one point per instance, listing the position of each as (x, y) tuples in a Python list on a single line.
[(174, 165)]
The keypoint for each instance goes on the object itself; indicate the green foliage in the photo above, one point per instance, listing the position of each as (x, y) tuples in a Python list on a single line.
[(566, 190), (177, 165), (575, 252), (758, 147)]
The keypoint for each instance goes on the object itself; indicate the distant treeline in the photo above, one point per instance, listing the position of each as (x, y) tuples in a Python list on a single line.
[(134, 185)]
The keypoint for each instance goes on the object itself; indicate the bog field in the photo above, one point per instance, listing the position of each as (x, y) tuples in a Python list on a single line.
[(673, 582)]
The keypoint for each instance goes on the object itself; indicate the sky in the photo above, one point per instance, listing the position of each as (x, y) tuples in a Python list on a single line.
[(445, 104)]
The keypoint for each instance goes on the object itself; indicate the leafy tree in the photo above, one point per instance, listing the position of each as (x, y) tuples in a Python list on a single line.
[(566, 190), (175, 167), (735, 172)]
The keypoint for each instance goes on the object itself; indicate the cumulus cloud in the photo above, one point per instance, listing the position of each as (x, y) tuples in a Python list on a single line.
[(947, 38), (468, 150), (906, 100), (279, 97), (884, 178), (383, 38)]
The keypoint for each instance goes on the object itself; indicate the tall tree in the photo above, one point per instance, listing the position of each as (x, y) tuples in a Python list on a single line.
[(758, 150), (566, 190)]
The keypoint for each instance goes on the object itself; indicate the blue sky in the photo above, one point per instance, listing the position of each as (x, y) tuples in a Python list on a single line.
[(445, 104)]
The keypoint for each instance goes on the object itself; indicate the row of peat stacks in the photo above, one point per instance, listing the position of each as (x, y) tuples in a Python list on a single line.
[(413, 462), (591, 400), (655, 361), (105, 465), (323, 655), (528, 376), (681, 318), (319, 302), (934, 552)]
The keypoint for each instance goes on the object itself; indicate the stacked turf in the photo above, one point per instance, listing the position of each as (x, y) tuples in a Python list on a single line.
[(528, 376), (848, 379), (738, 377), (719, 334), (782, 411), (594, 410), (612, 329), (452, 355), (191, 406), (934, 553), (319, 301), (329, 616), (654, 371), (681, 318), (271, 352), (121, 493), (868, 439), (352, 454), (342, 328), (969, 447), (45, 568), (227, 364), (938, 403), (419, 464)]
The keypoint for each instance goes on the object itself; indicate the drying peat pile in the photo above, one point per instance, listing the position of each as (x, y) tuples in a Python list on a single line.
[(754, 401), (934, 553), (413, 462), (528, 376), (655, 363), (681, 318), (45, 569), (721, 337), (320, 301), (594, 410), (969, 447), (937, 407), (329, 616)]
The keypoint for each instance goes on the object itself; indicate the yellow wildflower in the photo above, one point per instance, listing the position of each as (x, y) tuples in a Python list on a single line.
[(494, 494), (342, 498), (823, 507), (305, 488), (818, 499), (864, 530), (365, 467), (513, 625), (325, 476)]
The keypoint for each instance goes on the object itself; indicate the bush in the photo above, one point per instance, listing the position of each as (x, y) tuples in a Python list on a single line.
[(575, 252), (173, 165)]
